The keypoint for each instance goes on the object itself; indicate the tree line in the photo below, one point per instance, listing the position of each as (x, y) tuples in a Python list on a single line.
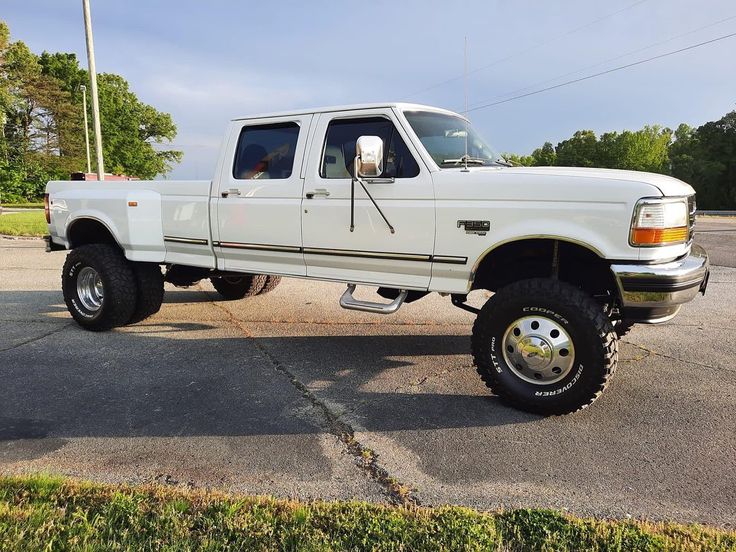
[(704, 157), (42, 123)]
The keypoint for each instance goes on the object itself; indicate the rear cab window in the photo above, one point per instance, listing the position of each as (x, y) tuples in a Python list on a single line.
[(339, 148), (266, 152)]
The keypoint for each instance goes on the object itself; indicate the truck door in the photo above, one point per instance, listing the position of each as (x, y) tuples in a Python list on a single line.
[(258, 202), (369, 253)]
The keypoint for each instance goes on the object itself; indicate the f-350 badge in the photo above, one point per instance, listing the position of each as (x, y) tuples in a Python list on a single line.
[(480, 227)]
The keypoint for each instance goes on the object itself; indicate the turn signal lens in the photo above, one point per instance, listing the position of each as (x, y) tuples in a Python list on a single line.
[(46, 209), (657, 236), (659, 222)]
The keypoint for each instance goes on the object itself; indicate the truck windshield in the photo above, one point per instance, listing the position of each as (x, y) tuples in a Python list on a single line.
[(443, 136)]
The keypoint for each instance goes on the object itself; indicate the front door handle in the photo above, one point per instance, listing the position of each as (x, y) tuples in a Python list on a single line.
[(322, 192), (231, 191)]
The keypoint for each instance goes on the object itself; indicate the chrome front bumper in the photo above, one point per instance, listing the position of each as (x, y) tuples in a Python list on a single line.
[(654, 292)]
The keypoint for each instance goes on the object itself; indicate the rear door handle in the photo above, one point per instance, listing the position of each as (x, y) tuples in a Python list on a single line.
[(231, 191), (322, 192)]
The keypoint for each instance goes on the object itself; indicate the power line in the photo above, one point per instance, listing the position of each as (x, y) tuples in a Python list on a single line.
[(619, 68), (629, 53), (554, 38)]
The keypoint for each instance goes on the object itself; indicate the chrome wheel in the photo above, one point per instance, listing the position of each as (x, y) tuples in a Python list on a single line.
[(89, 289), (538, 350)]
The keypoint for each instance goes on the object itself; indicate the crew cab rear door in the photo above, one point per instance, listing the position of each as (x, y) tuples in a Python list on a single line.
[(258, 202), (369, 253)]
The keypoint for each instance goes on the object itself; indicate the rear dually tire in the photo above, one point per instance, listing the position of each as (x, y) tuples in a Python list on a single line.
[(239, 286), (99, 287), (270, 284), (150, 291)]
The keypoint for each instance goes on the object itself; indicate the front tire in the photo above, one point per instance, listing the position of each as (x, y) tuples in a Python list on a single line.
[(99, 287), (544, 346), (240, 286), (623, 327)]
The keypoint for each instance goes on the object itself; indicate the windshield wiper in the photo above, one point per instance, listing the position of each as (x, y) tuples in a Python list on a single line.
[(466, 159)]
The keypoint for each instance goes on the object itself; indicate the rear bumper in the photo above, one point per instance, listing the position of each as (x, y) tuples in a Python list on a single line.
[(654, 292)]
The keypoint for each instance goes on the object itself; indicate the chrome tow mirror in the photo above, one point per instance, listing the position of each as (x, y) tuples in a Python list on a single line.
[(369, 157), (368, 164)]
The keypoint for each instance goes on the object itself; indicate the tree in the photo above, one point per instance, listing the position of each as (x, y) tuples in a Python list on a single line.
[(4, 91), (640, 150), (41, 122), (21, 73), (706, 159), (130, 127), (518, 160), (578, 151), (544, 156), (64, 67), (681, 153)]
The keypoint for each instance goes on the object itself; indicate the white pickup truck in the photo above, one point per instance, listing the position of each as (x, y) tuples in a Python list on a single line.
[(409, 199)]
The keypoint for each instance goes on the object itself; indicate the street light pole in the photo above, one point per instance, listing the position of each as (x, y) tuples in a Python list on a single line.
[(86, 126), (93, 89)]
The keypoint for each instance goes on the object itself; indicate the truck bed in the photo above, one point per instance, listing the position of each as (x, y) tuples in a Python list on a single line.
[(146, 216)]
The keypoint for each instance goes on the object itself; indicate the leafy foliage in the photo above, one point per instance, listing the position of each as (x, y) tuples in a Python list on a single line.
[(581, 150), (42, 122), (704, 157), (640, 150), (129, 129), (545, 156)]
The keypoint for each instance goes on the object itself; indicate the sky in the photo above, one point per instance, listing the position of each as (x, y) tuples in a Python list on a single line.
[(208, 62)]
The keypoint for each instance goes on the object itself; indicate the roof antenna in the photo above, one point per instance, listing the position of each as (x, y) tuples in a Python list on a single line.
[(465, 113)]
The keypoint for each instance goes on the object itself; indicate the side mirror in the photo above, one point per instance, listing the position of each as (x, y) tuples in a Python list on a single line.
[(369, 156)]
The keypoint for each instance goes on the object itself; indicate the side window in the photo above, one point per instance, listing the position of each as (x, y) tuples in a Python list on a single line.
[(339, 152), (266, 151)]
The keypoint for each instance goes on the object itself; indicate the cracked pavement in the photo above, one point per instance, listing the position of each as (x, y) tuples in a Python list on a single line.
[(287, 394)]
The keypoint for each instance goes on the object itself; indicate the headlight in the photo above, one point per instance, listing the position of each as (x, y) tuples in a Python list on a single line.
[(659, 222)]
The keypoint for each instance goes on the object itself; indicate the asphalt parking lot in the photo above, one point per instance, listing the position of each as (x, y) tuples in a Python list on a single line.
[(286, 393)]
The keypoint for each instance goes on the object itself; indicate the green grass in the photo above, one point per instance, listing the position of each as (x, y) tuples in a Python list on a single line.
[(32, 223), (38, 205), (46, 513)]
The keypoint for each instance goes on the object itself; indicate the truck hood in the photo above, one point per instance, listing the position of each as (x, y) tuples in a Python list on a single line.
[(666, 185)]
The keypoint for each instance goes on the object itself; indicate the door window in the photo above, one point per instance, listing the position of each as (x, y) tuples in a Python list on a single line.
[(339, 151), (266, 151)]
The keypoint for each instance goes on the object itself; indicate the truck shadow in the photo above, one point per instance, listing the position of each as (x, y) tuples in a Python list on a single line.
[(178, 379)]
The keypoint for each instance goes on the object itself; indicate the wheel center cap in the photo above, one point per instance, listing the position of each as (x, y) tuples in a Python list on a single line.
[(535, 351)]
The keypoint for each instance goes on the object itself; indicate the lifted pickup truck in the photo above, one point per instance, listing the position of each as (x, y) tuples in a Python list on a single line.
[(411, 200)]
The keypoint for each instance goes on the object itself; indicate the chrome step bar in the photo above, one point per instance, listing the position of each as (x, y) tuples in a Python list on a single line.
[(347, 301)]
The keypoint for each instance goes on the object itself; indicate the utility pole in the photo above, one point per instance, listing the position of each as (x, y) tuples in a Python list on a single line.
[(86, 126), (93, 90)]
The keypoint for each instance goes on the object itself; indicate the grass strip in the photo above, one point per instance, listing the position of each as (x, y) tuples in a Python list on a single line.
[(33, 205), (48, 513), (32, 223)]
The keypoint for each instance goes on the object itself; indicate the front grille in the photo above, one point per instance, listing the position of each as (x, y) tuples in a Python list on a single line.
[(691, 208)]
